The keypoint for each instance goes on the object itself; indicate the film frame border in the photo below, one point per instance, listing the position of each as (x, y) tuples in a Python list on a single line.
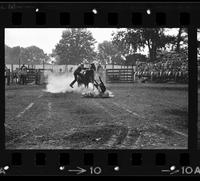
[(130, 162)]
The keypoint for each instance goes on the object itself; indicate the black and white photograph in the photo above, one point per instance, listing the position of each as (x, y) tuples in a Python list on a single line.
[(198, 63), (96, 88)]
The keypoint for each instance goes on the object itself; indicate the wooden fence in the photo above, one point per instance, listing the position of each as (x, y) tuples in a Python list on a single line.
[(110, 74), (120, 75), (55, 68)]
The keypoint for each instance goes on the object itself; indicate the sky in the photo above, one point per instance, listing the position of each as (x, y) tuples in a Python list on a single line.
[(47, 38), (198, 35)]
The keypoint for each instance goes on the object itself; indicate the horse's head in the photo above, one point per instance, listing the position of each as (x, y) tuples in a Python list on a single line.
[(93, 67)]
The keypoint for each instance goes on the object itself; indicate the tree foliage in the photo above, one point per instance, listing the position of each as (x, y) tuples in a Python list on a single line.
[(132, 59), (122, 42), (181, 40), (28, 55), (12, 55), (198, 45), (107, 52), (76, 45), (154, 39), (33, 55)]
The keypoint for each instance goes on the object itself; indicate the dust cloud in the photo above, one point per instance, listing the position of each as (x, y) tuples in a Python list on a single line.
[(60, 83)]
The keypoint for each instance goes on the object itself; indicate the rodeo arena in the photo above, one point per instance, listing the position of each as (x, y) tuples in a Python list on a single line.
[(97, 106)]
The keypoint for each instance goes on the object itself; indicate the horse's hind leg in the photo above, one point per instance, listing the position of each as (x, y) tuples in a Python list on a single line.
[(86, 85)]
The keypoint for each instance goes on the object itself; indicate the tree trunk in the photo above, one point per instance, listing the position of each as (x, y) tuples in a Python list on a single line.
[(178, 40), (152, 55), (152, 52)]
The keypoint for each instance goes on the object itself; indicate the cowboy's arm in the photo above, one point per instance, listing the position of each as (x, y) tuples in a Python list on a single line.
[(85, 68)]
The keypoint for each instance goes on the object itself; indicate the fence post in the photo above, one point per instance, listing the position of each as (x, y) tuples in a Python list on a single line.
[(105, 75), (12, 73), (19, 62), (133, 74), (66, 68), (8, 77)]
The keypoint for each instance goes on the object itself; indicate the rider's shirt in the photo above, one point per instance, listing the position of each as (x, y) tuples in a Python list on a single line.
[(79, 69)]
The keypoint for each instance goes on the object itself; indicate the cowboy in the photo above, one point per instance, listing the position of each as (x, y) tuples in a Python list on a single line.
[(77, 73), (23, 67)]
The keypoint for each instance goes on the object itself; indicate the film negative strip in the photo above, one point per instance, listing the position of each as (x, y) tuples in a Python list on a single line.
[(99, 89)]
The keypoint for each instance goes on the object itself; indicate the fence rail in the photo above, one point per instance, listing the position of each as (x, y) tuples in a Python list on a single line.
[(120, 75), (110, 73)]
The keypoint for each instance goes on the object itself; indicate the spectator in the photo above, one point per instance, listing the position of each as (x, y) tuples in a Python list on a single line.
[(71, 69), (37, 77), (15, 75), (7, 75), (165, 70), (23, 74)]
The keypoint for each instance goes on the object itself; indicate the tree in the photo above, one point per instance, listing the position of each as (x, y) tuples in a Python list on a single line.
[(54, 57), (132, 59), (108, 53), (198, 46), (29, 55), (121, 41), (137, 39), (76, 45), (33, 55), (180, 40), (12, 55)]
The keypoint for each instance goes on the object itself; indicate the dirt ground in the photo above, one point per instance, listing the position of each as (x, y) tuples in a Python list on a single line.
[(139, 116)]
